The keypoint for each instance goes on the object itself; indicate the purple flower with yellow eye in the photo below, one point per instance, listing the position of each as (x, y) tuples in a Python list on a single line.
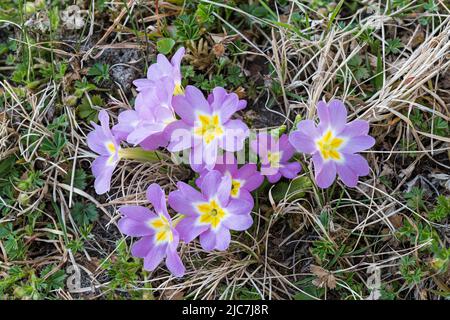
[(334, 144), (274, 155), (145, 125), (102, 141), (211, 213), (243, 180), (163, 68), (159, 237), (205, 127)]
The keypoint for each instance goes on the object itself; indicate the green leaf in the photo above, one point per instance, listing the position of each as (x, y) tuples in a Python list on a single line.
[(79, 179), (53, 146), (165, 45), (100, 71), (84, 213), (334, 14), (292, 190)]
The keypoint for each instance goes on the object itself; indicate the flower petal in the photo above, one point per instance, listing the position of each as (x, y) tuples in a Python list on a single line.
[(189, 229), (357, 163), (142, 247), (189, 105), (238, 222), (223, 239), (182, 200), (236, 132), (357, 144), (355, 128), (326, 175), (138, 213), (174, 263), (290, 170), (323, 112), (338, 115), (274, 178), (154, 257), (102, 172), (179, 134), (249, 173), (303, 139), (347, 175), (239, 207), (157, 198), (208, 240)]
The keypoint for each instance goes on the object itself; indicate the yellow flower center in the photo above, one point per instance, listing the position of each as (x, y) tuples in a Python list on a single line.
[(274, 159), (211, 213), (208, 127), (163, 230), (329, 146), (111, 147), (235, 187), (178, 89), (112, 152)]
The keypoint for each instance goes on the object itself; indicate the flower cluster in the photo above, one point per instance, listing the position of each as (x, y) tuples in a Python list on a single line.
[(167, 115)]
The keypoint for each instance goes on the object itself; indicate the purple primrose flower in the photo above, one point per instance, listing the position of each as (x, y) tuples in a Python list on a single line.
[(159, 237), (161, 69), (205, 126), (333, 144), (102, 141), (211, 213), (243, 180), (274, 155), (145, 125)]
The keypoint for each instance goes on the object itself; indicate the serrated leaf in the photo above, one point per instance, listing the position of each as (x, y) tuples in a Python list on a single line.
[(84, 213), (79, 179), (53, 146)]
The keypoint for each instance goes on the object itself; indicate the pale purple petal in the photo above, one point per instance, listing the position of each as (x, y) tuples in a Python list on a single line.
[(157, 198), (154, 257), (303, 139), (189, 105), (179, 135), (290, 170), (355, 128), (182, 199), (141, 248), (357, 144), (249, 173), (223, 238), (134, 228), (357, 163), (177, 57), (236, 132), (238, 222), (223, 103), (137, 213), (189, 229), (338, 115), (318, 162), (347, 175), (239, 207), (208, 240), (154, 141), (274, 178), (127, 122), (103, 173), (326, 176), (286, 148), (241, 105), (174, 263), (96, 140), (323, 113)]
